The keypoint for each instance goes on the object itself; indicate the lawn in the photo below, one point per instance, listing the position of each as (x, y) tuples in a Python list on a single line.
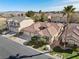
[(67, 54), (74, 55)]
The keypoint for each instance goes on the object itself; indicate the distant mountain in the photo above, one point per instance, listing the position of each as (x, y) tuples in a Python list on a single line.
[(12, 12)]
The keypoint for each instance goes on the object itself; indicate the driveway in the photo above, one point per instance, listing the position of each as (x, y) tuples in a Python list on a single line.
[(11, 48)]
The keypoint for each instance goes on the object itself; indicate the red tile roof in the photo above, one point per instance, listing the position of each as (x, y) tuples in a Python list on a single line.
[(72, 33), (50, 30)]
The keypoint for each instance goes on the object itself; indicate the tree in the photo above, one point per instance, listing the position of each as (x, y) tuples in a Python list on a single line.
[(43, 17), (38, 41), (40, 11), (40, 17), (68, 11), (30, 14), (37, 18)]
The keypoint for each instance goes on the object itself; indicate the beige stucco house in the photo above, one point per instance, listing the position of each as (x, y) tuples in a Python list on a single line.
[(15, 24), (48, 29), (56, 17)]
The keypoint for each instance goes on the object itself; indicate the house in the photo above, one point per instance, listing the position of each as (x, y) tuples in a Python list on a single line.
[(72, 34), (44, 29), (56, 17), (15, 24)]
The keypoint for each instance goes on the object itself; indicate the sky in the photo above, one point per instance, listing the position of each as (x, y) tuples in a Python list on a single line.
[(36, 5)]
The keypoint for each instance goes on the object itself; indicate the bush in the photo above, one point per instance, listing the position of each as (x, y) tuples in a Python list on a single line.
[(30, 14), (42, 17), (37, 41)]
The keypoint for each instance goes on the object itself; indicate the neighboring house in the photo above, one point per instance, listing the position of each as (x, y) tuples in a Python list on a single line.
[(59, 17), (15, 24), (44, 29), (72, 34), (56, 17)]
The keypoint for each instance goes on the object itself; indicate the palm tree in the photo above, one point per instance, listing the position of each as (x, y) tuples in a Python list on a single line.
[(68, 11)]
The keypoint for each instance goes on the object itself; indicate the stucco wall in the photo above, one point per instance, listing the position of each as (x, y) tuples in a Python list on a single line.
[(27, 36), (13, 29), (25, 23)]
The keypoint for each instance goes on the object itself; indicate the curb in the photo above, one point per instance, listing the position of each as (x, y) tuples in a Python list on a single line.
[(40, 51)]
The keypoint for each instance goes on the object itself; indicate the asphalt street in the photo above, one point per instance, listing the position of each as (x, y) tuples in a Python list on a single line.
[(11, 48)]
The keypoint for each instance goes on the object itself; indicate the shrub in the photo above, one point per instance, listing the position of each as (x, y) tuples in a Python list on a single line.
[(37, 41)]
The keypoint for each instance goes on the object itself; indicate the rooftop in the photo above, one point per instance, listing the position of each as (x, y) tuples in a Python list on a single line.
[(48, 29), (18, 18)]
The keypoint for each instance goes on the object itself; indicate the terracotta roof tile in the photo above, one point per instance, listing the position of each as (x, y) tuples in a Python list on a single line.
[(72, 32), (50, 30), (44, 32)]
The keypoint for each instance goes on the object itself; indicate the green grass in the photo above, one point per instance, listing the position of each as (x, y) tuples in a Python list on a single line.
[(66, 54), (71, 56)]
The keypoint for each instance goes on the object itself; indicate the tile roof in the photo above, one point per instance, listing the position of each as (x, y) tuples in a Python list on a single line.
[(72, 33), (18, 18), (44, 32), (30, 29), (50, 30)]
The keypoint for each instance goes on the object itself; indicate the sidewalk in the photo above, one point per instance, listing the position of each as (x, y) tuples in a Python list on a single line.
[(16, 39)]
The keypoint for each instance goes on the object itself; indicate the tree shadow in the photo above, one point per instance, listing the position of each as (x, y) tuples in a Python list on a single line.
[(60, 50), (17, 56), (73, 56)]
